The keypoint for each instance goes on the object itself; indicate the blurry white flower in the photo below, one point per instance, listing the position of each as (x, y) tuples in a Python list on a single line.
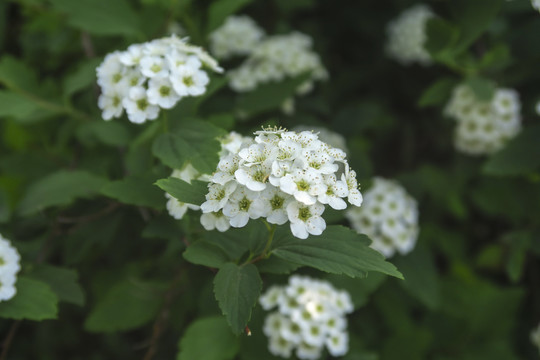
[(536, 4), (535, 337), (407, 36), (388, 216), (308, 318), (9, 267), (484, 127), (237, 36)]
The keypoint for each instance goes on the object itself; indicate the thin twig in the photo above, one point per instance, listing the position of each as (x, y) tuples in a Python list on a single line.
[(87, 218), (9, 338), (87, 45)]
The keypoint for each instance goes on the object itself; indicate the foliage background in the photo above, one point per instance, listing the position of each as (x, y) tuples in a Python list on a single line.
[(78, 201)]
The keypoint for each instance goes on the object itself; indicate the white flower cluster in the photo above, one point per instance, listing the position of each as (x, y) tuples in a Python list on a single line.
[(150, 76), (536, 4), (276, 58), (281, 176), (389, 217), (407, 35), (237, 36), (310, 315), (535, 337), (484, 127), (332, 138), (9, 267)]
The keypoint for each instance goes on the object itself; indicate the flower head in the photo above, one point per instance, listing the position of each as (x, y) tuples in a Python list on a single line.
[(150, 76), (309, 316), (388, 216), (9, 267)]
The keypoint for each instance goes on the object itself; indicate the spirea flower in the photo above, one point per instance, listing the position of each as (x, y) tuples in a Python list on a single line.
[(150, 76), (407, 36), (388, 216), (281, 176), (332, 138), (535, 337), (536, 4), (483, 127), (309, 316), (237, 36), (9, 267), (276, 58)]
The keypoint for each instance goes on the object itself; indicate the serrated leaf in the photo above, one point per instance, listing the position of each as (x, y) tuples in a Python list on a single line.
[(137, 191), (127, 305), (59, 188), (194, 141), (100, 17), (269, 96), (437, 93), (194, 344), (275, 265), (484, 89), (237, 289), (64, 282), (206, 253), (219, 10), (34, 300), (338, 250), (190, 193), (519, 243), (520, 155)]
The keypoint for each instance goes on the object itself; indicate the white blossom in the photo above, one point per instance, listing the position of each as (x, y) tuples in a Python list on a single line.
[(535, 337), (150, 76), (484, 127), (307, 318), (281, 176), (237, 36), (388, 216), (9, 267), (536, 4), (407, 36)]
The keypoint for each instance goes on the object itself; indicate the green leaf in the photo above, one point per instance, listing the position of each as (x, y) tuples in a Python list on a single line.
[(269, 96), (237, 289), (275, 265), (104, 132), (484, 89), (127, 305), (420, 273), (521, 155), (190, 193), (206, 253), (219, 10), (441, 37), (16, 106), (84, 76), (472, 19), (437, 93), (519, 243), (137, 191), (59, 188), (338, 250), (100, 17), (212, 331), (194, 141), (64, 282), (34, 301)]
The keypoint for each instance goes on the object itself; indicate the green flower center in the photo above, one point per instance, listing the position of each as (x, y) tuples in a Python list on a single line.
[(304, 214), (188, 81), (155, 68), (302, 185), (165, 91), (277, 202), (116, 78), (244, 204), (142, 104), (259, 176)]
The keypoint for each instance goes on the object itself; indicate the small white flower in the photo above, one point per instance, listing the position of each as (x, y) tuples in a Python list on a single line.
[(138, 107), (536, 4), (111, 104), (217, 196), (338, 343), (160, 92), (275, 205), (243, 204), (306, 219), (535, 337), (237, 36), (9, 267), (215, 220), (304, 185), (188, 81), (154, 66)]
